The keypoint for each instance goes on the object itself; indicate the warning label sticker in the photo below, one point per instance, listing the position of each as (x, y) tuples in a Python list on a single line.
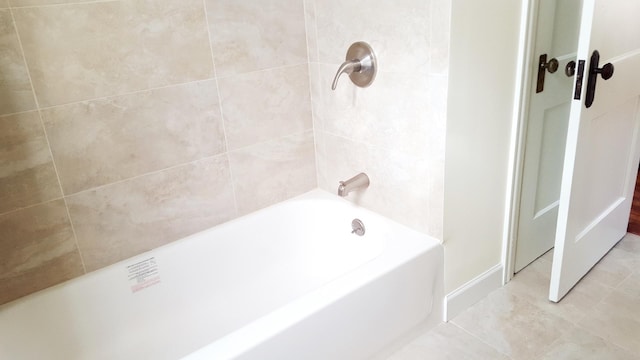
[(143, 274)]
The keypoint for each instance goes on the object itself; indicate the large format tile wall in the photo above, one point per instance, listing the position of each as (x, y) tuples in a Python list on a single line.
[(393, 130), (128, 124)]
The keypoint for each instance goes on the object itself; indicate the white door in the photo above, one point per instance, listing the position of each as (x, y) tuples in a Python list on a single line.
[(601, 155), (556, 35)]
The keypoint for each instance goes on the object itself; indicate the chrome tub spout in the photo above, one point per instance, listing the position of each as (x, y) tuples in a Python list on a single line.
[(360, 181)]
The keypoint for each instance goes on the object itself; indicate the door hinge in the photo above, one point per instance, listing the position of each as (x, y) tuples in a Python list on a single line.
[(579, 78)]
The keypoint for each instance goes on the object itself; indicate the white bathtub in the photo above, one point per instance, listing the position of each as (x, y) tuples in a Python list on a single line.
[(287, 282)]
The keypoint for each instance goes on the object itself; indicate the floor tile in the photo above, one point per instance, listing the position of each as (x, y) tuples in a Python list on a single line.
[(512, 325), (447, 341), (630, 243), (631, 285), (615, 267), (598, 319), (532, 284), (581, 345), (548, 256), (616, 319)]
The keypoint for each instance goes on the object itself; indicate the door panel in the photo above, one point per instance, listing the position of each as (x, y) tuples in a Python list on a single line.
[(556, 35), (554, 132), (615, 15), (566, 23), (601, 155)]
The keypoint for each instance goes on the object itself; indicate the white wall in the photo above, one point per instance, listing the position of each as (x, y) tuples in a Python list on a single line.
[(482, 80)]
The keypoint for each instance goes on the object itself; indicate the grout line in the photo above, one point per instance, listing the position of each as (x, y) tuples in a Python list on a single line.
[(315, 14), (370, 145), (178, 84), (622, 282), (605, 340), (129, 93), (232, 180), (584, 314), (31, 206), (24, 59), (389, 72), (430, 45), (46, 136), (531, 303), (246, 147), (623, 250), (316, 157), (154, 172), (75, 236), (64, 198), (282, 67), (222, 117), (17, 113), (11, 6), (311, 84), (191, 162), (478, 338)]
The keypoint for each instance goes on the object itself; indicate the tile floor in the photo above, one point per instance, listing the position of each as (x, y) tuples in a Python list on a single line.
[(599, 319)]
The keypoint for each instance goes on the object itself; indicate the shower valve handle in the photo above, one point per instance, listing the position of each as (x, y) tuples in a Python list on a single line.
[(360, 65)]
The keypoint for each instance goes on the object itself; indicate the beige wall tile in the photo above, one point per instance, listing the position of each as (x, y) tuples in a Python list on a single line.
[(395, 129), (256, 35), (440, 33), (265, 105), (23, 3), (80, 50), (85, 51), (102, 141), (27, 173), (311, 26), (394, 112), (124, 219), (271, 172), (398, 31), (38, 250), (16, 93), (405, 188), (318, 94)]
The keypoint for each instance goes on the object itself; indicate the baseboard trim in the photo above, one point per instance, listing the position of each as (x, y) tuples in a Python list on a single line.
[(473, 291)]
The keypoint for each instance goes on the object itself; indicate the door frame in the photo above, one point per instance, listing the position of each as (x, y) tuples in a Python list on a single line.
[(524, 80)]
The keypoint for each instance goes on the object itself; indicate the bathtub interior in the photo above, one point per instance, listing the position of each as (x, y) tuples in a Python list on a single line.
[(204, 292)]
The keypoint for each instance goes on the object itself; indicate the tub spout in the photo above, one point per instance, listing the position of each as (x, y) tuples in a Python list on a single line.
[(360, 181)]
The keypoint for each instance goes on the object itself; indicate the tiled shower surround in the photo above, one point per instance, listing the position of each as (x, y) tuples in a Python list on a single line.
[(128, 124)]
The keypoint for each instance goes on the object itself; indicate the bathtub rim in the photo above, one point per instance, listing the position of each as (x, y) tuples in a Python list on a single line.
[(423, 244), (279, 320)]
